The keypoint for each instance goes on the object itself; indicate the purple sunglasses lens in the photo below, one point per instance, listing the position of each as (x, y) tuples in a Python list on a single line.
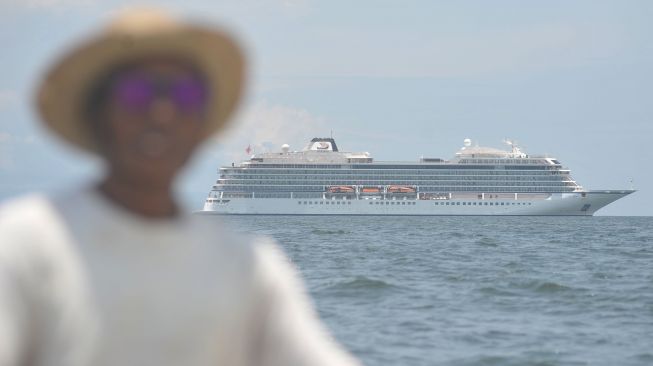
[(189, 94), (134, 92)]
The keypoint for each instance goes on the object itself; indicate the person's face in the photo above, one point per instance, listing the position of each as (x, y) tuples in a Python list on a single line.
[(152, 120)]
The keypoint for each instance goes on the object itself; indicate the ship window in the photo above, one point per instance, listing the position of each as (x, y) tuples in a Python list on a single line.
[(529, 203), (464, 203), (403, 203), (300, 202), (310, 203), (338, 202), (349, 203), (371, 203), (485, 203), (305, 202), (458, 203), (321, 202), (387, 203)]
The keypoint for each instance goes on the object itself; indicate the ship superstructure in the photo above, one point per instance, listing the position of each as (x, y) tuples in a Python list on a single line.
[(321, 180)]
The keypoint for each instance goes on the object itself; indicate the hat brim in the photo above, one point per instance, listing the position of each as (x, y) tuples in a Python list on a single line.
[(63, 92)]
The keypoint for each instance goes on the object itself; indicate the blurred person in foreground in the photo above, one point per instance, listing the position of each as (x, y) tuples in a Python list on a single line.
[(112, 273)]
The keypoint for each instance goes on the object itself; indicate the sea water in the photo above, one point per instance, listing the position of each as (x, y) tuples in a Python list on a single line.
[(476, 290)]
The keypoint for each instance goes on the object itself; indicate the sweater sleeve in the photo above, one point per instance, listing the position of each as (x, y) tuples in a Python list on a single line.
[(16, 322), (289, 333), (42, 321), (13, 316)]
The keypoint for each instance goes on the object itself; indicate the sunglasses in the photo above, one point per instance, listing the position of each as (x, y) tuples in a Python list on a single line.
[(136, 92)]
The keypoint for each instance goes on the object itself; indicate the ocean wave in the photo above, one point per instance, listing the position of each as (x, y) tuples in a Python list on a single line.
[(493, 291), (645, 357), (487, 241), (360, 285), (328, 232), (513, 360), (365, 283), (456, 234), (546, 287), (558, 241), (637, 254)]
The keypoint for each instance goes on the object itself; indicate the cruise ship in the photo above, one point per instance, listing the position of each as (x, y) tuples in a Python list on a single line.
[(322, 180)]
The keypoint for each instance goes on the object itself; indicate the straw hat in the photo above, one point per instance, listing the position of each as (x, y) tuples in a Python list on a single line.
[(132, 35)]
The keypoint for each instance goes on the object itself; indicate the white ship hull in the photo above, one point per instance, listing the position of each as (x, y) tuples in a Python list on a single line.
[(554, 204)]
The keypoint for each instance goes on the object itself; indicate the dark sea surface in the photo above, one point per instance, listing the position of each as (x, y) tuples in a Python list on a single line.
[(477, 290)]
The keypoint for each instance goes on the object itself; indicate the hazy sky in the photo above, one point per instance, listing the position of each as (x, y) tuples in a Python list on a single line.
[(399, 79)]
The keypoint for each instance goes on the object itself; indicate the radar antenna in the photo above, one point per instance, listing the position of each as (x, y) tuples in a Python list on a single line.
[(467, 142)]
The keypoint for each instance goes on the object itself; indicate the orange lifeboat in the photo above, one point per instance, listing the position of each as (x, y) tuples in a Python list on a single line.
[(401, 189), (341, 189), (370, 190)]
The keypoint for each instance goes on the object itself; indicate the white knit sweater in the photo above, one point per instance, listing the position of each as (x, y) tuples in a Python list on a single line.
[(84, 282)]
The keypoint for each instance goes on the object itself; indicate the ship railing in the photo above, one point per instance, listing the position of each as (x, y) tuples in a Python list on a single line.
[(385, 196)]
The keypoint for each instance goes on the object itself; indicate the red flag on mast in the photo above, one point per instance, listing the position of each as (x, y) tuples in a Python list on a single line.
[(248, 150)]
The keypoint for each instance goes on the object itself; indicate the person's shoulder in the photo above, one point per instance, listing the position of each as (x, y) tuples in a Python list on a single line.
[(34, 221), (27, 226), (35, 208), (24, 212)]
